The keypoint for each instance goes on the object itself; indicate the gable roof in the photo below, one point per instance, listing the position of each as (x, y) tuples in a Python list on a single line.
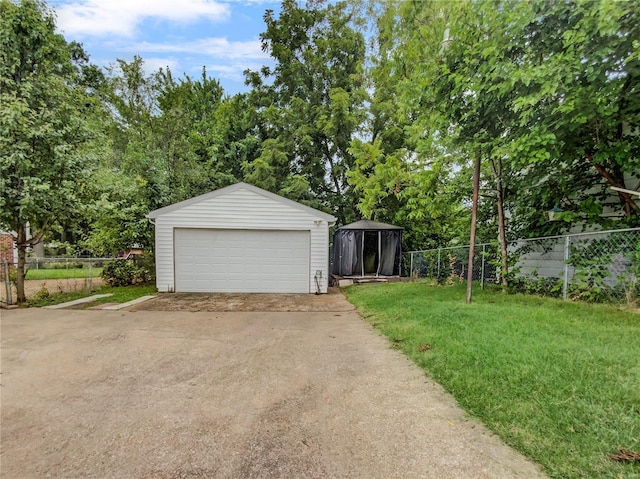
[(242, 186), (369, 225)]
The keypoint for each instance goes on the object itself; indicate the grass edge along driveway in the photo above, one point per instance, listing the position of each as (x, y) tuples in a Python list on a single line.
[(558, 381)]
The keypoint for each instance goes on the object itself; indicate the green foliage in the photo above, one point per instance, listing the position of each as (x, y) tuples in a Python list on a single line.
[(60, 265), (309, 106), (119, 294), (42, 294), (555, 380), (42, 112), (593, 277), (170, 140), (125, 272), (117, 214), (534, 284), (42, 274), (47, 107), (410, 192), (545, 93)]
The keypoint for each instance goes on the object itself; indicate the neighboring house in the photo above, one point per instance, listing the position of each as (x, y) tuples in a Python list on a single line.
[(8, 251), (131, 252), (241, 239), (545, 257)]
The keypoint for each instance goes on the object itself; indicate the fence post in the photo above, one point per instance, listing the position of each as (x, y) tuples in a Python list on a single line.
[(411, 267), (484, 247), (90, 274), (567, 253), (438, 277), (7, 283)]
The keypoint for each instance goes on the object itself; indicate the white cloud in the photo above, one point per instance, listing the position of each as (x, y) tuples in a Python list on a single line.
[(152, 65), (215, 47), (261, 2), (122, 17), (233, 72)]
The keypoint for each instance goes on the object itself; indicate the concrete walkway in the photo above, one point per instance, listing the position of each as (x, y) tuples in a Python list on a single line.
[(121, 394)]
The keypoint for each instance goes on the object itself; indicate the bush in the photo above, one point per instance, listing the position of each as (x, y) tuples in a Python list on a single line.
[(147, 262), (534, 284), (42, 294), (43, 264), (118, 272), (125, 272)]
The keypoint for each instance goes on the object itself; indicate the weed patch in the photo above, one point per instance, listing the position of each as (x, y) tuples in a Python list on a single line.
[(120, 294)]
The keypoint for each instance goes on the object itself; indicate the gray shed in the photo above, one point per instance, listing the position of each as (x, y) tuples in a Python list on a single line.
[(367, 248)]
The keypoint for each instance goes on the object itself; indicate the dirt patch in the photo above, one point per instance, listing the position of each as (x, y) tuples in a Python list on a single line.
[(228, 302), (32, 286)]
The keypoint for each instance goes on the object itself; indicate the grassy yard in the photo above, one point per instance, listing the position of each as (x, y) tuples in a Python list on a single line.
[(121, 294), (558, 381), (63, 273)]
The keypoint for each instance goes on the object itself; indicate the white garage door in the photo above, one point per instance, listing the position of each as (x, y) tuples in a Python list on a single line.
[(241, 261)]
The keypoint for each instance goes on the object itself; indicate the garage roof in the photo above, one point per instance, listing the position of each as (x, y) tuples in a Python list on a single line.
[(242, 186)]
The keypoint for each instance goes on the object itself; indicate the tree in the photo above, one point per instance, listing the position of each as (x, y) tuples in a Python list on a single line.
[(172, 140), (43, 110), (546, 93), (406, 166), (309, 105), (579, 107)]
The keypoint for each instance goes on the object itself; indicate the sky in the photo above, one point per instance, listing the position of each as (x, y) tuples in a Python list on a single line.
[(184, 35)]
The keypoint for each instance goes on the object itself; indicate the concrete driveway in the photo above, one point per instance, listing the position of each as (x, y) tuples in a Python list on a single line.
[(161, 394)]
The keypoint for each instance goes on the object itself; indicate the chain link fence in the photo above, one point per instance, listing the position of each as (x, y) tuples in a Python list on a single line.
[(600, 266), (44, 276)]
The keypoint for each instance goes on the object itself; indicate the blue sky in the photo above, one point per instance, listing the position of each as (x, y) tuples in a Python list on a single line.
[(185, 35)]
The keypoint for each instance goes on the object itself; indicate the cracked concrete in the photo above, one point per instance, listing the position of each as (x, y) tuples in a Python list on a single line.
[(238, 394)]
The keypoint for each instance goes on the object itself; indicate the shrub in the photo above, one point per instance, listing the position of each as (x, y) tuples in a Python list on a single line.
[(125, 272), (118, 272), (534, 284), (56, 265), (147, 263), (42, 294)]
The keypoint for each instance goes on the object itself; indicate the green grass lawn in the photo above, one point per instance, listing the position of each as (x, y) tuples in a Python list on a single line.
[(558, 381), (63, 273), (120, 294)]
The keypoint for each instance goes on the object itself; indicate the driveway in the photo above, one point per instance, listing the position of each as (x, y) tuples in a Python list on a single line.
[(224, 302), (176, 394)]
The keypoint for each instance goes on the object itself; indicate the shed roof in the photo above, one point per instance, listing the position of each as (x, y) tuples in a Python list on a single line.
[(242, 186), (369, 225)]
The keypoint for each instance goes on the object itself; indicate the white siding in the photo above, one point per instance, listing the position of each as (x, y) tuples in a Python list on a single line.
[(240, 209)]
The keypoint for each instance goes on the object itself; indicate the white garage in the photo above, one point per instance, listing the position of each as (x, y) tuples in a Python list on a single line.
[(241, 239)]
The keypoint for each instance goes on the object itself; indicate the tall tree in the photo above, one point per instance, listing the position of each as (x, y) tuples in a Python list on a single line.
[(172, 139), (43, 111), (315, 95), (579, 107), (406, 164), (547, 92)]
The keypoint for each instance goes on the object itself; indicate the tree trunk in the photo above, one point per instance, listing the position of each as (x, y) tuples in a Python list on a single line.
[(22, 253), (474, 216), (627, 201), (496, 166)]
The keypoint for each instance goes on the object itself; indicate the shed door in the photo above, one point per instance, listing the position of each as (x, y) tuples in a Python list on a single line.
[(241, 261)]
